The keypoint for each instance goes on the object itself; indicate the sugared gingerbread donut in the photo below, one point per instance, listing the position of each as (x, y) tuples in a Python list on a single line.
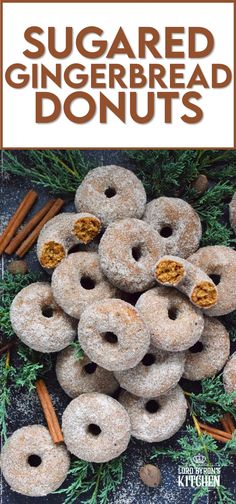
[(219, 263), (32, 464), (209, 355), (177, 223), (232, 212), (176, 272), (78, 281), (63, 232), (77, 376), (96, 427), (128, 252), (157, 373), (113, 334), (173, 322), (111, 193), (38, 321), (229, 375), (156, 419)]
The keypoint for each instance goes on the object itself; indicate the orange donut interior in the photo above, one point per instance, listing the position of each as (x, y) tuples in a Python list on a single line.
[(87, 228), (52, 254), (169, 272), (204, 294)]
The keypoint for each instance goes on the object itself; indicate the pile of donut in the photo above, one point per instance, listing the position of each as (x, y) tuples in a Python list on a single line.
[(142, 298)]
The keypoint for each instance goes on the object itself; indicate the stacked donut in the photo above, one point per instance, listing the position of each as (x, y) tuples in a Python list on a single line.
[(125, 252)]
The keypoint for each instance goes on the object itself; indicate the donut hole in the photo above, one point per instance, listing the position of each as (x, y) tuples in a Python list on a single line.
[(152, 406), (149, 359), (110, 337), (47, 311), (90, 368), (137, 252), (34, 460), (94, 429), (87, 282), (166, 231), (215, 278), (197, 348), (172, 313), (110, 192)]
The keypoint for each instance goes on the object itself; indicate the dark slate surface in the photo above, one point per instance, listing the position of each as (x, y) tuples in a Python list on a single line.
[(25, 408)]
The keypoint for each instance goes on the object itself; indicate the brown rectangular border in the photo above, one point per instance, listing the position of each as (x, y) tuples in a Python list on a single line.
[(112, 1)]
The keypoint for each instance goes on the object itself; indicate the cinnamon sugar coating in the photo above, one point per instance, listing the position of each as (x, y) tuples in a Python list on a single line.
[(77, 376), (157, 373), (16, 460), (38, 321), (113, 334), (96, 427), (157, 419), (219, 262), (210, 354), (188, 278), (111, 193), (229, 375), (232, 212), (62, 233), (177, 223), (174, 323), (78, 281), (128, 252)]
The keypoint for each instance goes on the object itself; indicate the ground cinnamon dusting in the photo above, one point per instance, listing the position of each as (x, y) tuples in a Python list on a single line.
[(52, 254), (87, 228), (204, 294), (169, 272)]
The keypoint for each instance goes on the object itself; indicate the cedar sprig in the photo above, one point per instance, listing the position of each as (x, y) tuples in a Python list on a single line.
[(7, 373), (59, 171), (10, 285), (94, 482), (193, 444), (212, 402), (78, 351), (31, 366)]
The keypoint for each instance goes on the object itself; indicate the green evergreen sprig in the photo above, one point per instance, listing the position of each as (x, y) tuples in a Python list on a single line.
[(193, 444), (60, 172), (78, 351), (7, 373), (94, 482), (212, 402)]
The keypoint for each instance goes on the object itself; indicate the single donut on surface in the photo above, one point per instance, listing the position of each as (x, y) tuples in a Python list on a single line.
[(232, 212), (78, 281), (63, 232), (229, 375), (177, 223), (209, 355), (96, 427), (32, 464), (157, 373), (77, 376), (113, 334), (219, 263), (112, 193), (129, 250), (38, 321), (173, 322), (157, 419), (176, 272)]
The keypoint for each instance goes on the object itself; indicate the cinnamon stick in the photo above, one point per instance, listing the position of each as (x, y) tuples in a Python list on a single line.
[(228, 423), (222, 439), (18, 239), (213, 430), (28, 242), (17, 219), (49, 412)]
